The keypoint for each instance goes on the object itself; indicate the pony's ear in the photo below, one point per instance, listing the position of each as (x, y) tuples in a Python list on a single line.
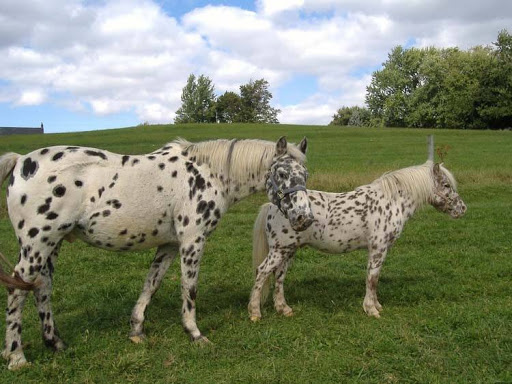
[(303, 145), (437, 171), (281, 146)]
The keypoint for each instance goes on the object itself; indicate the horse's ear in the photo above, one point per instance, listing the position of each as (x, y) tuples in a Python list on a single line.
[(303, 145), (281, 146)]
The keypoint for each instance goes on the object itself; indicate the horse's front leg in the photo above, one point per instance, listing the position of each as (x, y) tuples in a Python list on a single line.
[(165, 254), (371, 304), (43, 295), (279, 299), (191, 252), (272, 261)]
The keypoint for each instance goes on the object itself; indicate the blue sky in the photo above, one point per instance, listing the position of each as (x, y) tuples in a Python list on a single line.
[(85, 65)]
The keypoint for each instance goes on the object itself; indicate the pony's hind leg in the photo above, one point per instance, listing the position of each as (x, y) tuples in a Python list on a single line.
[(371, 304), (279, 299), (164, 256), (42, 295), (274, 259)]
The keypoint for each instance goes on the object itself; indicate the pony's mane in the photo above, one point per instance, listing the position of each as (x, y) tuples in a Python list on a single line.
[(237, 159), (416, 181)]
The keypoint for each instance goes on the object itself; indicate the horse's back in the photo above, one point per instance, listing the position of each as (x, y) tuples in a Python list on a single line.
[(62, 187)]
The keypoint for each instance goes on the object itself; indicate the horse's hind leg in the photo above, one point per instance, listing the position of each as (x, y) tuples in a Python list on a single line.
[(13, 351), (371, 304), (31, 261), (279, 299), (43, 302), (274, 259), (163, 258)]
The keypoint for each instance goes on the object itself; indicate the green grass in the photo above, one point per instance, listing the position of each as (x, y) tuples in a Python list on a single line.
[(446, 286)]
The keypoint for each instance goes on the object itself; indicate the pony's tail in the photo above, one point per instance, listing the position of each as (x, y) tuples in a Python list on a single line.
[(7, 163), (260, 247)]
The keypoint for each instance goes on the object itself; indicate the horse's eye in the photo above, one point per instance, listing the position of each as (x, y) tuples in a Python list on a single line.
[(447, 185), (282, 175)]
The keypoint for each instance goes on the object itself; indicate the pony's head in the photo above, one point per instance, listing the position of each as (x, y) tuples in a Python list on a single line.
[(445, 197), (286, 184)]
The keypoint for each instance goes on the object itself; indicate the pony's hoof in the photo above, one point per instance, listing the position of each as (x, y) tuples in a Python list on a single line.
[(288, 313), (138, 339), (372, 311), (202, 341), (255, 319)]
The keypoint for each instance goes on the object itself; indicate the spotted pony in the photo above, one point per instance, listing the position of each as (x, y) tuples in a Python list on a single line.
[(372, 216), (171, 199)]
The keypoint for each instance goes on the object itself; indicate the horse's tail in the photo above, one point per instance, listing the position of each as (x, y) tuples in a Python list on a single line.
[(7, 163), (260, 247)]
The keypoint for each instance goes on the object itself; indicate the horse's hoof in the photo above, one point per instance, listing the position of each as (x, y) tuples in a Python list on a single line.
[(17, 363), (138, 339), (255, 319), (288, 313)]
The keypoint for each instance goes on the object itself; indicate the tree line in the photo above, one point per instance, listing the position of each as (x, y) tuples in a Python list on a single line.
[(201, 105), (439, 88)]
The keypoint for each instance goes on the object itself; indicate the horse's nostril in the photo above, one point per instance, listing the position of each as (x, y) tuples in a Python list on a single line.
[(300, 218)]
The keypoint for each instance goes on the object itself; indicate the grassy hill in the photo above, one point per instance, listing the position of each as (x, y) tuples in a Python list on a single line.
[(446, 286)]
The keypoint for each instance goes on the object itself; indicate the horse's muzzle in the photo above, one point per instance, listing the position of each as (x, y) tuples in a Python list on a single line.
[(301, 222)]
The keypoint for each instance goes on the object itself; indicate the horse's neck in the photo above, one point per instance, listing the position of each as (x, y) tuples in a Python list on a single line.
[(236, 190)]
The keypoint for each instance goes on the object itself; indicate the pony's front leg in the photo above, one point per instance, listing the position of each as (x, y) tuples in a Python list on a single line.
[(371, 305), (43, 302), (279, 299), (165, 254), (191, 253), (269, 265)]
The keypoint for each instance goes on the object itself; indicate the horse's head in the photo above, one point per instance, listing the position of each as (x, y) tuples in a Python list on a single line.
[(445, 198), (286, 185)]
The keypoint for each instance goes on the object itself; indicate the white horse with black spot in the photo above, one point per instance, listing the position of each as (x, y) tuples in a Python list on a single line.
[(372, 216), (171, 199)]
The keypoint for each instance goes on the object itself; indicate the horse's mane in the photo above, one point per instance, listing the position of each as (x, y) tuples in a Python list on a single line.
[(237, 159), (416, 181)]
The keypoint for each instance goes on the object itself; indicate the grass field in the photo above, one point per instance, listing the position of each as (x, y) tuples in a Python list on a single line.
[(446, 286)]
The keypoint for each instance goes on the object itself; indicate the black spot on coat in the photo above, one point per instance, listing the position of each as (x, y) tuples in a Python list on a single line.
[(29, 168), (96, 153)]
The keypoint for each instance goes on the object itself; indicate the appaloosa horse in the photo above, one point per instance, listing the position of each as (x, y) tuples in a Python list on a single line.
[(172, 199), (372, 216)]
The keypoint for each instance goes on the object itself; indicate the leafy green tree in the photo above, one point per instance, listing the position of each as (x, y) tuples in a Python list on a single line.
[(229, 108), (198, 101), (448, 88), (495, 105), (255, 100), (355, 116)]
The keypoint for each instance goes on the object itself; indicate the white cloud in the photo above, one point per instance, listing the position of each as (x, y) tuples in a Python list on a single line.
[(130, 56), (272, 7), (31, 97)]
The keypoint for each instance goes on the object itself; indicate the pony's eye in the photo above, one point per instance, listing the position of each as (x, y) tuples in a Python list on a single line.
[(447, 186), (282, 175)]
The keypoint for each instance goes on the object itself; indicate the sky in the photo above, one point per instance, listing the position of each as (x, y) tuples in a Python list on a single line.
[(80, 65)]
